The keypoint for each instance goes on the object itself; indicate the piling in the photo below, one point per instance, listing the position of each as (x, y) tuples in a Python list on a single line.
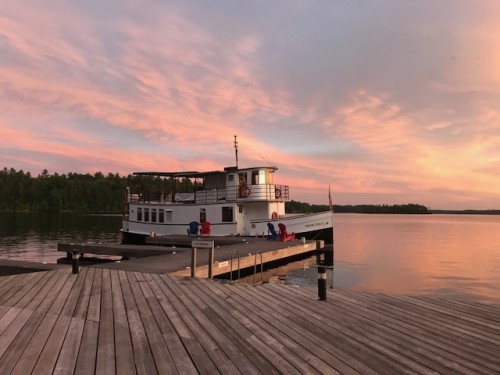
[(322, 283), (75, 260)]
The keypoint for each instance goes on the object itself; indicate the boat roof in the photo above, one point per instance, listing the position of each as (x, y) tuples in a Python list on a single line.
[(194, 174)]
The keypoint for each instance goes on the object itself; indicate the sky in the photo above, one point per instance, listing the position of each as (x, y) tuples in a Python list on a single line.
[(386, 101)]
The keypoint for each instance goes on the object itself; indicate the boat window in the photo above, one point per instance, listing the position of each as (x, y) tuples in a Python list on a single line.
[(242, 179), (139, 213), (203, 215), (230, 177), (168, 216), (153, 215), (259, 177), (227, 214), (161, 215), (146, 214)]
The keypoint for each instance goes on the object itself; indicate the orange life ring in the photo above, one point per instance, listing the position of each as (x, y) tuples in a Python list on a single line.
[(244, 191), (274, 216), (277, 193)]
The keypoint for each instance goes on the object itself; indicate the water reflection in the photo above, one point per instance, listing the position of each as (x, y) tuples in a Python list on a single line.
[(451, 256), (34, 236)]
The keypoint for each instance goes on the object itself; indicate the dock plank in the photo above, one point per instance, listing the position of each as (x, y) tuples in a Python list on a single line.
[(87, 354), (144, 362), (201, 360), (123, 343), (178, 352), (151, 323), (105, 363), (161, 354), (191, 316)]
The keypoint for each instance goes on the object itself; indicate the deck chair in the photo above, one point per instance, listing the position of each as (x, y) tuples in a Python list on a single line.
[(205, 228), (284, 235), (193, 228), (273, 235)]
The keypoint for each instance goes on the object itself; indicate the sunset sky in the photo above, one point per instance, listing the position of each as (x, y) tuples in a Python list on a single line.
[(388, 101)]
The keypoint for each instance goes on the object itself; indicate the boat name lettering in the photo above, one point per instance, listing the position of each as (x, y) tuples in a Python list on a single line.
[(317, 224)]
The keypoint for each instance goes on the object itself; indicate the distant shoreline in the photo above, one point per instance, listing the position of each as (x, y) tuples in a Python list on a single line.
[(466, 212)]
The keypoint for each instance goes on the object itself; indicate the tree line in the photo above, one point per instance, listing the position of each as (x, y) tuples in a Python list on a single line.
[(411, 208), (75, 192), (20, 191)]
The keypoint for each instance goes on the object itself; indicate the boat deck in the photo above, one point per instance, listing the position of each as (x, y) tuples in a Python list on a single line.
[(116, 321)]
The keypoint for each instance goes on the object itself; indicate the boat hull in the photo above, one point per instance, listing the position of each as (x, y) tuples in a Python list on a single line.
[(316, 226)]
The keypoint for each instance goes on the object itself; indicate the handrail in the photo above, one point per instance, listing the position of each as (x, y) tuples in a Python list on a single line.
[(231, 272), (261, 268), (262, 192)]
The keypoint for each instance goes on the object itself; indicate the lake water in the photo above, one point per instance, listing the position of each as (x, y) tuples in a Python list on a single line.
[(449, 256)]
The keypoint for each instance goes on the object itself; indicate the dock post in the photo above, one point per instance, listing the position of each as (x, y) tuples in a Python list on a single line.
[(210, 262), (322, 283), (193, 262), (75, 260)]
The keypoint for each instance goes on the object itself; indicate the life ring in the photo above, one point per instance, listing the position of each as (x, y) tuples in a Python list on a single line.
[(244, 191), (277, 193), (274, 216)]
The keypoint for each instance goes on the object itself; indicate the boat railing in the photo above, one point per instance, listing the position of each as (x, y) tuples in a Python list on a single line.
[(264, 192)]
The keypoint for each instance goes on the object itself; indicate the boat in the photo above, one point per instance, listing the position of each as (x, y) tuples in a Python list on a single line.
[(230, 202)]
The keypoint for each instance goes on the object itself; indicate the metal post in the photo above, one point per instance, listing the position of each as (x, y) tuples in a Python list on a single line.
[(193, 262), (210, 262), (75, 257), (322, 283)]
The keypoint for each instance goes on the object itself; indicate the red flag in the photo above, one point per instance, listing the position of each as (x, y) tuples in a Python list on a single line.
[(330, 198)]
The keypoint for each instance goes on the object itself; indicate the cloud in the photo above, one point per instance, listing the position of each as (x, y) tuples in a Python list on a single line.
[(387, 102)]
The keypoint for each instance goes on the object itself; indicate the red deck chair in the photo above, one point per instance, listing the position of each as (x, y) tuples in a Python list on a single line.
[(284, 236), (205, 228)]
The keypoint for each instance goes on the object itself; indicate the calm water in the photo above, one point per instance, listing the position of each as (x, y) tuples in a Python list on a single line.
[(453, 256)]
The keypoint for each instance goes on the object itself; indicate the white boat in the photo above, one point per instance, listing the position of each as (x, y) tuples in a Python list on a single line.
[(236, 202)]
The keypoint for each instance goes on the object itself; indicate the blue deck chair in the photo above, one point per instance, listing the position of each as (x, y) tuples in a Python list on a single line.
[(274, 234), (193, 228)]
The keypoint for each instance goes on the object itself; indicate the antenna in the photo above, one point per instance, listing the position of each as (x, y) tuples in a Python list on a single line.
[(236, 150)]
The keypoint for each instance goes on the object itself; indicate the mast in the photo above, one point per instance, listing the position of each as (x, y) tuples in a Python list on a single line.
[(236, 150)]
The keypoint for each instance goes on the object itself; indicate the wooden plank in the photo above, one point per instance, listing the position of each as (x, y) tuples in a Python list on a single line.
[(85, 363), (268, 320), (94, 307), (162, 356), (48, 357), (255, 308), (63, 294), (11, 332), (106, 345), (339, 335), (66, 361), (82, 304), (30, 355), (188, 315), (124, 352), (11, 356), (241, 335), (197, 353), (144, 362), (29, 291), (436, 332), (406, 337), (379, 329), (7, 282), (178, 352), (24, 351)]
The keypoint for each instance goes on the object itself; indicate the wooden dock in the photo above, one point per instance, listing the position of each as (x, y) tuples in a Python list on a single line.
[(114, 321), (177, 260)]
